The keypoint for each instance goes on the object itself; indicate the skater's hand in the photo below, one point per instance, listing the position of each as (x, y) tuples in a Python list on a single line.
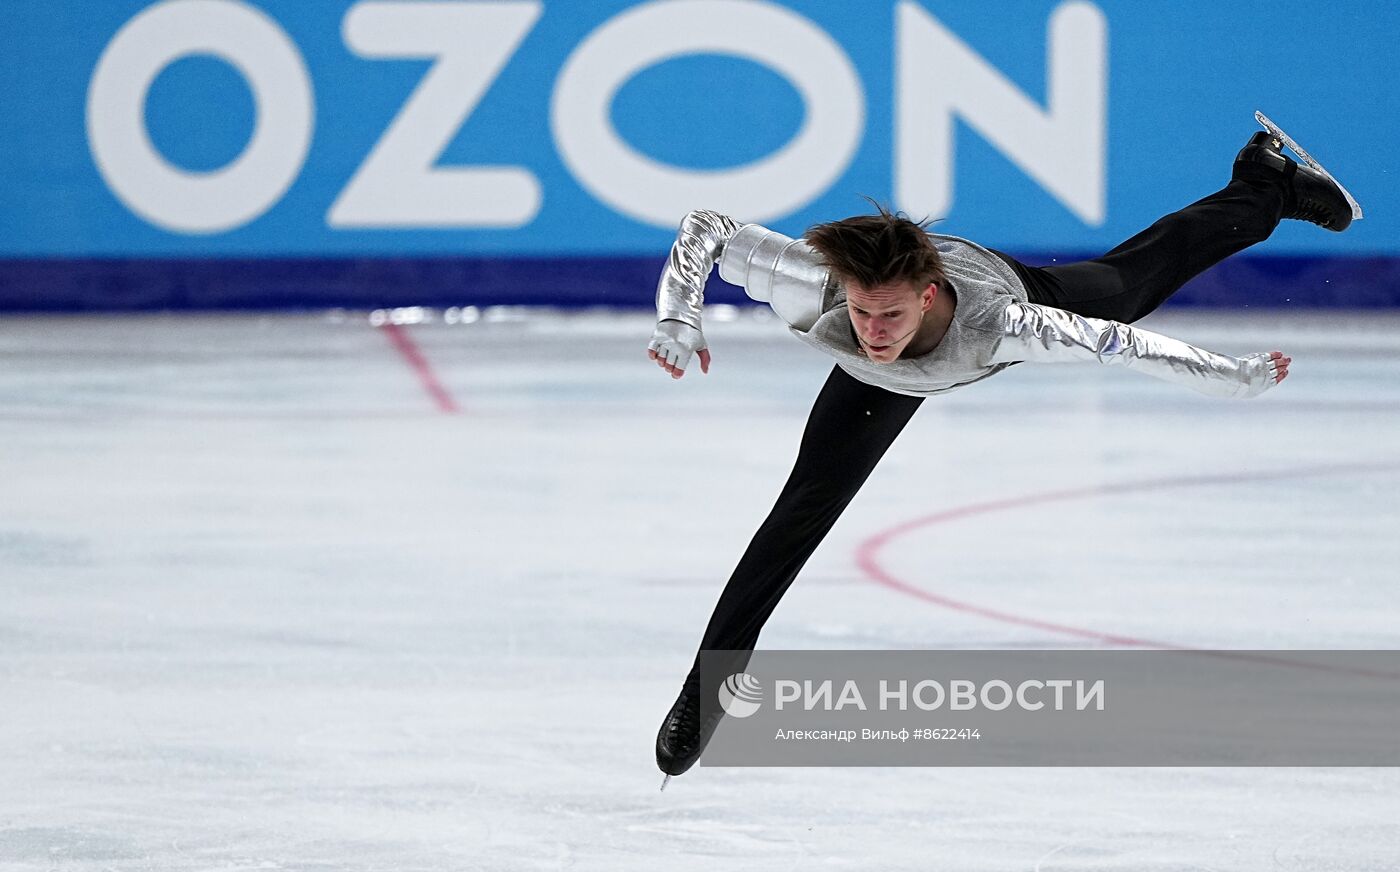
[(672, 345), (1265, 369)]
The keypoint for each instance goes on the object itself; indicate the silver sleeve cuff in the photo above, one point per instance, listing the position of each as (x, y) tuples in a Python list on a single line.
[(785, 273), (680, 294), (1045, 334)]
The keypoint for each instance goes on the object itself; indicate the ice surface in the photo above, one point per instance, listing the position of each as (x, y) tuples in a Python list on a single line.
[(263, 606)]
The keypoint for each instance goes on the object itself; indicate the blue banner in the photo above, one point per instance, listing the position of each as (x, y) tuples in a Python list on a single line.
[(221, 136)]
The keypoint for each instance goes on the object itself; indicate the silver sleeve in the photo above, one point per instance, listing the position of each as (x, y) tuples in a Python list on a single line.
[(783, 272), (1044, 334), (680, 293)]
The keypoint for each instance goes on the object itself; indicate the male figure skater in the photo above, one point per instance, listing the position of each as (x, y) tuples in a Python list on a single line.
[(908, 314)]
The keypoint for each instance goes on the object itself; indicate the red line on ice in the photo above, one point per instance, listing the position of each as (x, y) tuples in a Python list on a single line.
[(867, 552), (406, 347)]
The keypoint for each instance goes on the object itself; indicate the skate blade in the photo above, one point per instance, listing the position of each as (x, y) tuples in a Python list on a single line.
[(664, 781), (1277, 132)]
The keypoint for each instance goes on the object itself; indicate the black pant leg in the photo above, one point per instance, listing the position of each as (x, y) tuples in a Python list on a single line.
[(1139, 275), (850, 427)]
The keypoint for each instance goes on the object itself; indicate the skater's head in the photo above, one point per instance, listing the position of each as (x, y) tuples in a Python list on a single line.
[(891, 273)]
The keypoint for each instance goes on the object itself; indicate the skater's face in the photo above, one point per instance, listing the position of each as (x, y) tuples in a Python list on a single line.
[(887, 318)]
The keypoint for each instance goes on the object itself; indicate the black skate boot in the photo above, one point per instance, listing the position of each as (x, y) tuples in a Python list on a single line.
[(1312, 195), (683, 734)]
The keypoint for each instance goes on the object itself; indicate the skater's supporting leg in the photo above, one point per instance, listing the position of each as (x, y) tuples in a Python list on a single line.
[(851, 426)]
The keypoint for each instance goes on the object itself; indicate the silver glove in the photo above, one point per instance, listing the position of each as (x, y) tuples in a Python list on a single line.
[(674, 342), (1032, 332)]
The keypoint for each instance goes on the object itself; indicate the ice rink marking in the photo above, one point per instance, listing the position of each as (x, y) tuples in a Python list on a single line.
[(867, 551), (413, 356)]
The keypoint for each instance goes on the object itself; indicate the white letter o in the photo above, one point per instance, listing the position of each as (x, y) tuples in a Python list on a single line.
[(765, 33), (233, 195)]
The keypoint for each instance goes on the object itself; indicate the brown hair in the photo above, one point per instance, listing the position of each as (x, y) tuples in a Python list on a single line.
[(871, 251)]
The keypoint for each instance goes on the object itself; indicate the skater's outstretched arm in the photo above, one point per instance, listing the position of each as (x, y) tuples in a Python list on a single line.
[(771, 268), (1044, 334), (680, 293)]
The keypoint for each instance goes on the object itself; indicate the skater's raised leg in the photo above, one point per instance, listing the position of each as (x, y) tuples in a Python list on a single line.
[(1139, 275)]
